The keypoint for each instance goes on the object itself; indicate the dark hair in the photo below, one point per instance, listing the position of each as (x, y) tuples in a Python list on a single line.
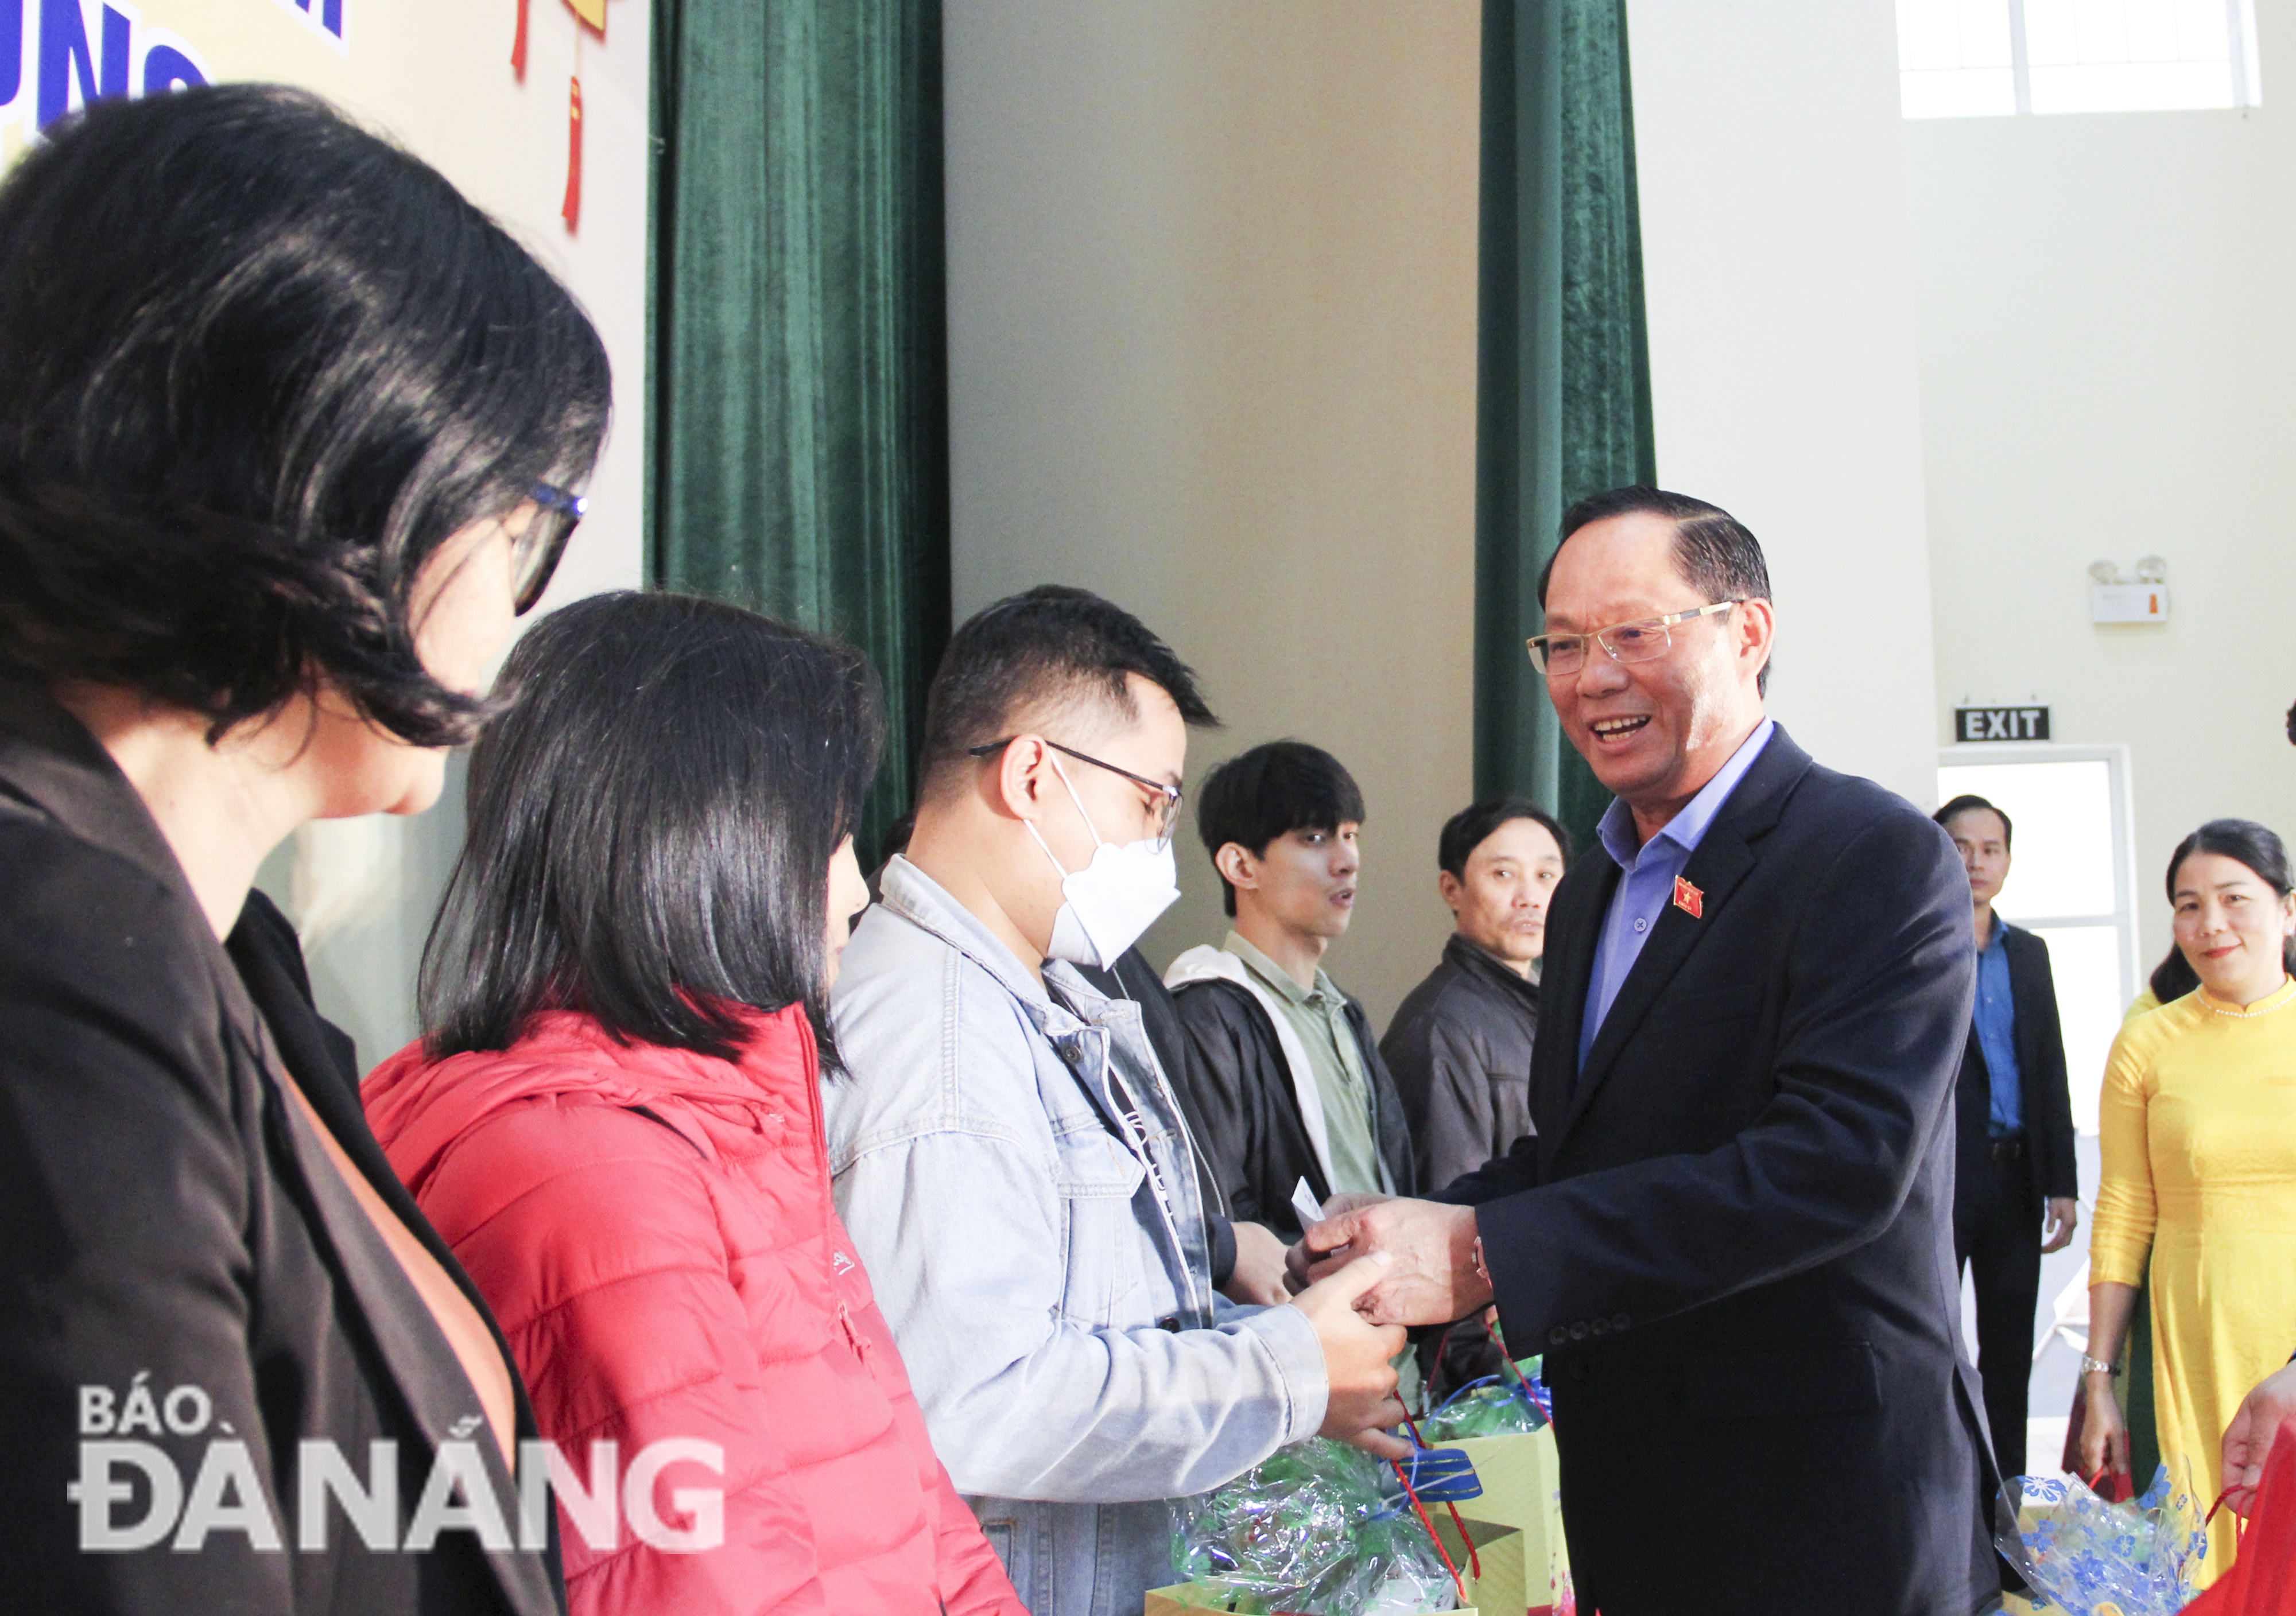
[(2173, 977), (1713, 550), (1969, 802), (1049, 644), (1272, 790), (2250, 844), (255, 364), (1472, 826), (651, 819)]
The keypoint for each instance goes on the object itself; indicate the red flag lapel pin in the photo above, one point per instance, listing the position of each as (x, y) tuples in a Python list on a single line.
[(1689, 900)]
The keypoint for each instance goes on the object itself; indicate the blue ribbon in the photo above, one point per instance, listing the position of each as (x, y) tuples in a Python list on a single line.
[(1441, 1475)]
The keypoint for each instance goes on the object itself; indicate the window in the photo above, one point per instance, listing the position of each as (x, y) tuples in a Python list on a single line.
[(1993, 58), (2072, 881)]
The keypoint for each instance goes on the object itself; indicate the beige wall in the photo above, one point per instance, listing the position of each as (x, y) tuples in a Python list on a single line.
[(1212, 353), (2108, 345), (1783, 367), (435, 75)]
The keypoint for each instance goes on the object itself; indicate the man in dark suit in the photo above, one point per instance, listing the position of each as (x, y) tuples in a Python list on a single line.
[(2015, 1130), (1731, 1234)]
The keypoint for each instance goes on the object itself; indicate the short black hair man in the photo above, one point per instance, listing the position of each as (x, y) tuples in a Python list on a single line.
[(1290, 1080), (1460, 1043), (2015, 1192), (1007, 1155)]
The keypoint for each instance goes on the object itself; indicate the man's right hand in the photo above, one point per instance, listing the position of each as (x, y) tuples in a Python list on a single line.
[(1363, 1405), (1437, 1276), (1299, 1259), (2247, 1440)]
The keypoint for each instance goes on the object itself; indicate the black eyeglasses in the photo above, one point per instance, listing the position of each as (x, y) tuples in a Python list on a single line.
[(1163, 807), (556, 514)]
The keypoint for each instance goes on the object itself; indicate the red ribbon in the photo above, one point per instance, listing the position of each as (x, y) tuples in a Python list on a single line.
[(573, 210), (2239, 1521), (1474, 1550), (1412, 1494), (518, 46)]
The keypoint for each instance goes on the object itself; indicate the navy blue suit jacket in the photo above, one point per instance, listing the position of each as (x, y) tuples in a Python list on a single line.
[(1732, 1235), (2044, 1093)]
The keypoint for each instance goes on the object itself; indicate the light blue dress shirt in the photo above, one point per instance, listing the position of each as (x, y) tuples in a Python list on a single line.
[(1648, 888), (1996, 1017)]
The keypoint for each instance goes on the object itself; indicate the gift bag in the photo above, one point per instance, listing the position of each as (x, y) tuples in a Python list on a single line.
[(1523, 1488), (2089, 1557), (1497, 1591), (1490, 1556), (1324, 1530), (1186, 1597), (2262, 1580), (1503, 1425)]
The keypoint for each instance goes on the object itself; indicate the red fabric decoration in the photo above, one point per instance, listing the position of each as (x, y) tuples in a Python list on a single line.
[(573, 210), (2262, 1581), (518, 46)]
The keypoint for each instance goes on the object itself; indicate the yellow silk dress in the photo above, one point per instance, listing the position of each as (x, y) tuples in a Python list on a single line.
[(2198, 1120)]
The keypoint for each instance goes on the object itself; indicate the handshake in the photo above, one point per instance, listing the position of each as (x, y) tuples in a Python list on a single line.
[(1368, 1266)]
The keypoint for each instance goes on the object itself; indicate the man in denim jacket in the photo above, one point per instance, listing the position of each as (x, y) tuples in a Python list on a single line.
[(1007, 1154)]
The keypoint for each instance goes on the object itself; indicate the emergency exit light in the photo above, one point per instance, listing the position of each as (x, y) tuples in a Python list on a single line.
[(2114, 597), (2128, 603)]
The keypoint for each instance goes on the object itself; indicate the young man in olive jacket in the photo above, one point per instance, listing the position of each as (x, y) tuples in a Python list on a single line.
[(1287, 1075)]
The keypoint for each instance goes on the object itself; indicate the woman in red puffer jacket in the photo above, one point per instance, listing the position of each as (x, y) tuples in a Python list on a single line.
[(615, 1120)]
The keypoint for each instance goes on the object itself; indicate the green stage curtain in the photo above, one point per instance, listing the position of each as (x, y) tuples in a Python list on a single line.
[(798, 460), (1563, 405)]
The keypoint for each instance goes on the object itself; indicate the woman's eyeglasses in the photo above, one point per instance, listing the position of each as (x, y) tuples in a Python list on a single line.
[(556, 514)]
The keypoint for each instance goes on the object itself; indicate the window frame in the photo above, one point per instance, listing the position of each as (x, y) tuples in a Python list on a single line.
[(2240, 66)]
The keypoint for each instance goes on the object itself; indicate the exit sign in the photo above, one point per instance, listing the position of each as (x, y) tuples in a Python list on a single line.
[(2001, 724)]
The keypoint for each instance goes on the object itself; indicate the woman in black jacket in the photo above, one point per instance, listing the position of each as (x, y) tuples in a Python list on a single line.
[(285, 431)]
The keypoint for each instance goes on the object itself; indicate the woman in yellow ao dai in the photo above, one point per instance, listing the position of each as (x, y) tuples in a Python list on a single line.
[(2199, 1133)]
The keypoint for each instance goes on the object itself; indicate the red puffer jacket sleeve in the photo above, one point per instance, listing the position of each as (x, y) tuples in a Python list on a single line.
[(628, 1331), (971, 1579)]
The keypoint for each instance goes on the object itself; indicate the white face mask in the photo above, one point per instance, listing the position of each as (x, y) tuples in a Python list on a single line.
[(1113, 898)]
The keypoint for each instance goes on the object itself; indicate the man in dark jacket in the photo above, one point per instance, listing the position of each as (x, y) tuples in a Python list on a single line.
[(1286, 1076), (2014, 1129), (1733, 1233), (1460, 1044)]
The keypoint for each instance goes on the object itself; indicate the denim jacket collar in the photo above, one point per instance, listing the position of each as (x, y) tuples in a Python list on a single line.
[(1104, 1043), (916, 897)]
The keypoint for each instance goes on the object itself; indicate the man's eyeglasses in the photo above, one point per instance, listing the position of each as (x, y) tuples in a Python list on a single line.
[(1163, 800), (1559, 656), (556, 514)]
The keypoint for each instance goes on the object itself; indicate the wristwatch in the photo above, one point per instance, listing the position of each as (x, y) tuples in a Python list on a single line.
[(2095, 1365)]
